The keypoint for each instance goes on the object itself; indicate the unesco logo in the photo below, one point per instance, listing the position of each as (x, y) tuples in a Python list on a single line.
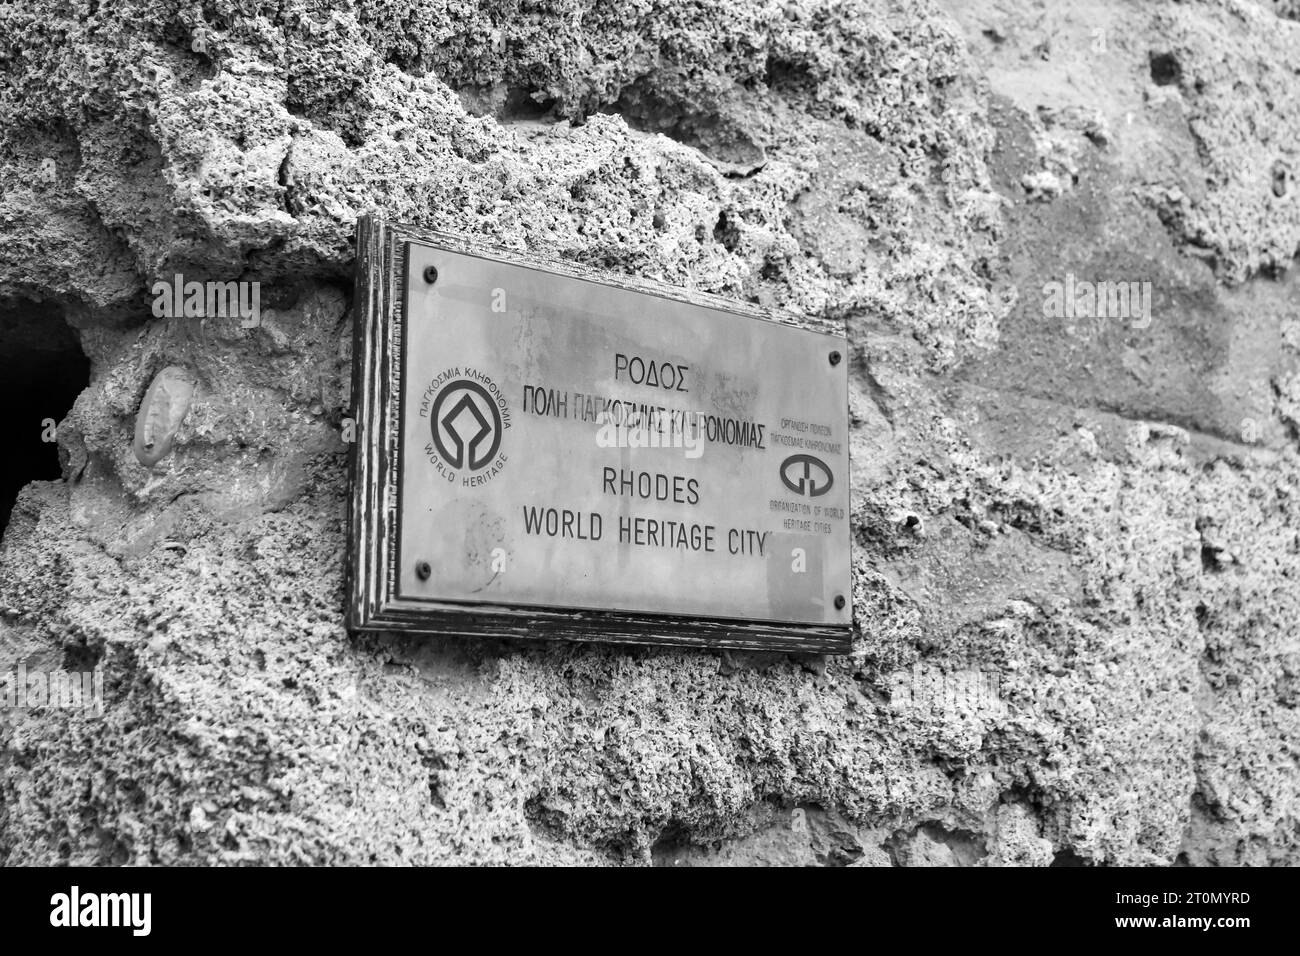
[(806, 475), (466, 425), (468, 416)]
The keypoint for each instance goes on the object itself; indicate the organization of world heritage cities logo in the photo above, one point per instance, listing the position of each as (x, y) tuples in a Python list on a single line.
[(468, 417), (807, 475)]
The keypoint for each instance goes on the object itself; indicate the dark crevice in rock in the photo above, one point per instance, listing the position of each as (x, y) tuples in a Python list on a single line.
[(726, 231), (1213, 556), (526, 103), (1210, 558), (789, 77), (672, 845), (1202, 615), (80, 658), (291, 203), (1165, 69), (42, 371), (436, 765), (1281, 178), (1067, 857)]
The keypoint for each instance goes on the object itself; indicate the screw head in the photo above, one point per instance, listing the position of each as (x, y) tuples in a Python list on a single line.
[(431, 274), (835, 358), (839, 602), (422, 570)]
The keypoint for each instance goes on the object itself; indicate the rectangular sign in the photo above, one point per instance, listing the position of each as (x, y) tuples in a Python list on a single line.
[(549, 451)]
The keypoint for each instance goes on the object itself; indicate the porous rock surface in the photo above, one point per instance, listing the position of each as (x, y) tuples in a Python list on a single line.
[(1077, 541)]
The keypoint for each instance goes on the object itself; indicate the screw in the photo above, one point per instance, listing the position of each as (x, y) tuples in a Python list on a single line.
[(422, 570), (839, 602), (835, 358), (431, 274)]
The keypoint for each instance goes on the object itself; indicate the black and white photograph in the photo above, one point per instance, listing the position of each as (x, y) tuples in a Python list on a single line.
[(617, 434)]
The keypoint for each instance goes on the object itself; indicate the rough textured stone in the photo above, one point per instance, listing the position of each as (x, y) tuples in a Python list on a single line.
[(1077, 541)]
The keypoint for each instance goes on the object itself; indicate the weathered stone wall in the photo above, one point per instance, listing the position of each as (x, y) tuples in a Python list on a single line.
[(1077, 539)]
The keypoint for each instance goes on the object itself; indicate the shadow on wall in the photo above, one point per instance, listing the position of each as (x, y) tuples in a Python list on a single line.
[(42, 371)]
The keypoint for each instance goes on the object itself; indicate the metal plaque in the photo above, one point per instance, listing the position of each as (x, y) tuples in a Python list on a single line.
[(545, 450)]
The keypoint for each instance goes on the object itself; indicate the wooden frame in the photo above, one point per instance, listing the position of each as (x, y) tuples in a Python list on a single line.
[(373, 604)]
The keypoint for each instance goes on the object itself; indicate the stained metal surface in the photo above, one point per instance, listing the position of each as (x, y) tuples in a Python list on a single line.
[(564, 443)]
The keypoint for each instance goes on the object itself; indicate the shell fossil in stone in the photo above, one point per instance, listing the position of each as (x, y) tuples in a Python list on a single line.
[(161, 413)]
